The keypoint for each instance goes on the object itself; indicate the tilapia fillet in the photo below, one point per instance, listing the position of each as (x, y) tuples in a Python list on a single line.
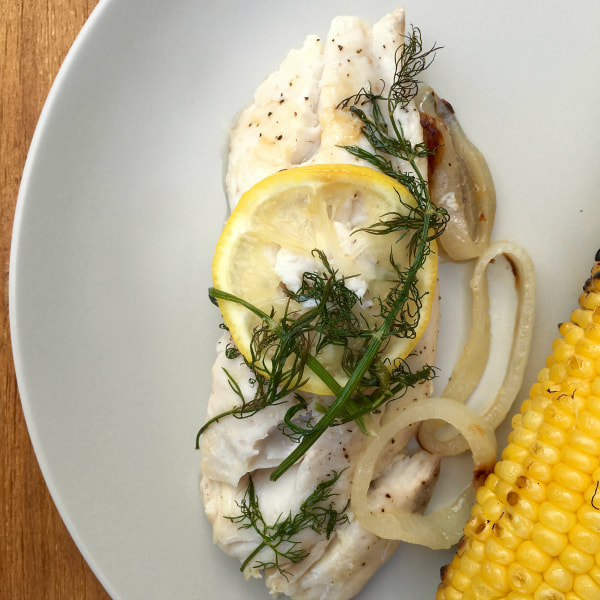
[(294, 120)]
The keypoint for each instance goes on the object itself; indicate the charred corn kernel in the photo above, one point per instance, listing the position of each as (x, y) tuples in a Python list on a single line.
[(531, 489), (539, 518), (521, 505)]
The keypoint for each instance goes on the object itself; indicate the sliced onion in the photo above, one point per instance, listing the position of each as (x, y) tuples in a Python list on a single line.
[(469, 367), (442, 528), (459, 180)]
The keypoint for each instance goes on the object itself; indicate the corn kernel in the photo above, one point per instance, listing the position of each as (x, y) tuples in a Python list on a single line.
[(460, 581), (543, 376), (494, 575), (477, 527), (508, 470), (572, 332), (592, 331), (449, 593), (584, 539), (504, 531), (498, 552), (551, 435), (594, 573), (561, 351), (580, 367), (521, 525), (556, 518), (575, 560), (571, 478), (522, 436), (541, 471), (482, 591), (521, 505), (515, 453), (476, 549), (529, 488), (578, 460), (545, 452), (492, 509), (557, 416), (563, 497), (581, 317), (532, 419), (529, 554), (589, 300), (571, 386), (589, 517), (522, 579), (587, 437), (585, 587), (559, 577), (546, 592), (483, 493), (557, 372), (596, 383), (587, 347), (468, 566), (550, 541)]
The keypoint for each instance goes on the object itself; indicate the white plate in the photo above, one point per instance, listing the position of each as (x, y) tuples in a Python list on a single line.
[(121, 205)]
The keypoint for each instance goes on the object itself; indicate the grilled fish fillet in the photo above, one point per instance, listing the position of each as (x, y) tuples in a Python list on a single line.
[(294, 120)]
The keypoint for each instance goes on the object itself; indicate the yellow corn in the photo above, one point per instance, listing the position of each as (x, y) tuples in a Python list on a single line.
[(535, 528)]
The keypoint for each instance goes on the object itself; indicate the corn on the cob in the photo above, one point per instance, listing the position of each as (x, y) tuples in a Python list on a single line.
[(535, 528)]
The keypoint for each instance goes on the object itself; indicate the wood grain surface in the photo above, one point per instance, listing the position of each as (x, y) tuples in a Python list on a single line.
[(38, 559)]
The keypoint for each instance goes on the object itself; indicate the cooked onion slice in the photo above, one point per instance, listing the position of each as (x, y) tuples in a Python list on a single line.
[(471, 364), (442, 528), (459, 180)]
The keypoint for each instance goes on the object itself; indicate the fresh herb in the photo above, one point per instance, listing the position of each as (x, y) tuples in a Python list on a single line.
[(314, 514), (281, 349)]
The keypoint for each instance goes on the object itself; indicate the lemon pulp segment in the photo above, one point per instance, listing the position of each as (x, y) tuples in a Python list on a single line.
[(268, 242)]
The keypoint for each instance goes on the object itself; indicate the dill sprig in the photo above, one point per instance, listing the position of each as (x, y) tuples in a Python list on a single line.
[(282, 348), (314, 513)]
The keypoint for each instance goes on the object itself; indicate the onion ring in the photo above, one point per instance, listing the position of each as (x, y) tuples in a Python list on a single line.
[(470, 365), (442, 528)]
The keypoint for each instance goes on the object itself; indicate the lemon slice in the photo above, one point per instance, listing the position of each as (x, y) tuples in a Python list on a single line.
[(268, 241)]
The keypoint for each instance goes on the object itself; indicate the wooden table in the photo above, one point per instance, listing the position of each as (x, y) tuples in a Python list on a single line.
[(38, 559)]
